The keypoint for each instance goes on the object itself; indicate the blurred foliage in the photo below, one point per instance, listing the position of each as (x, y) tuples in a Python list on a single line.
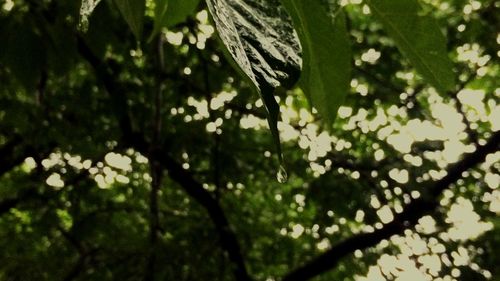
[(75, 189)]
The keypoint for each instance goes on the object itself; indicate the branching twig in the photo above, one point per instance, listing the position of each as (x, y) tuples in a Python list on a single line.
[(183, 177), (227, 236)]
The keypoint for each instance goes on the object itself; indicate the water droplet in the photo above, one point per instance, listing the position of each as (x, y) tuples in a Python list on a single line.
[(282, 176)]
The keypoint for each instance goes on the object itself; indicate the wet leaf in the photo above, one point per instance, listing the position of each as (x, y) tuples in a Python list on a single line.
[(86, 10), (260, 38)]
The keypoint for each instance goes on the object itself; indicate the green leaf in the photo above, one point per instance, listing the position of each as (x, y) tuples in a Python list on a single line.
[(161, 7), (133, 13), (260, 38), (171, 12), (179, 10), (24, 54), (86, 10), (418, 37), (327, 54)]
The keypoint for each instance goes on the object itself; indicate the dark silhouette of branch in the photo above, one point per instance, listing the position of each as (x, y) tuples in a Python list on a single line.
[(375, 78), (407, 219), (32, 194), (9, 157), (215, 151), (184, 178), (154, 221), (115, 90), (75, 271), (227, 236), (83, 255), (7, 204), (155, 167)]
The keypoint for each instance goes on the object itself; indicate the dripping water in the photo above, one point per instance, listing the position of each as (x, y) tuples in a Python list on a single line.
[(281, 175)]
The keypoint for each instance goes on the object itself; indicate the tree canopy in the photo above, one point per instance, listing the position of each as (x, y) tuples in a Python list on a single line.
[(249, 140)]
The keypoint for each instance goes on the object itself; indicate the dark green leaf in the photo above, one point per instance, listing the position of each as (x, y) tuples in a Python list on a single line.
[(418, 37), (60, 41), (327, 55), (171, 12), (259, 37), (133, 13), (24, 55), (179, 10), (161, 7)]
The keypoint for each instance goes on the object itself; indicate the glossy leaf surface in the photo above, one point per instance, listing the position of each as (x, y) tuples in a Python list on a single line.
[(86, 10), (260, 38)]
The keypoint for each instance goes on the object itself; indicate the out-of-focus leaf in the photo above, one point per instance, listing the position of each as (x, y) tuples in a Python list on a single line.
[(179, 10), (327, 55), (86, 10), (133, 13), (260, 38), (161, 7), (24, 55), (171, 12), (418, 37), (60, 41)]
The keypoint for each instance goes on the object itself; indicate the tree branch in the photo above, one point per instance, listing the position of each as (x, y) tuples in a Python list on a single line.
[(8, 156), (83, 255), (115, 90), (8, 204), (155, 167), (227, 237), (407, 219)]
